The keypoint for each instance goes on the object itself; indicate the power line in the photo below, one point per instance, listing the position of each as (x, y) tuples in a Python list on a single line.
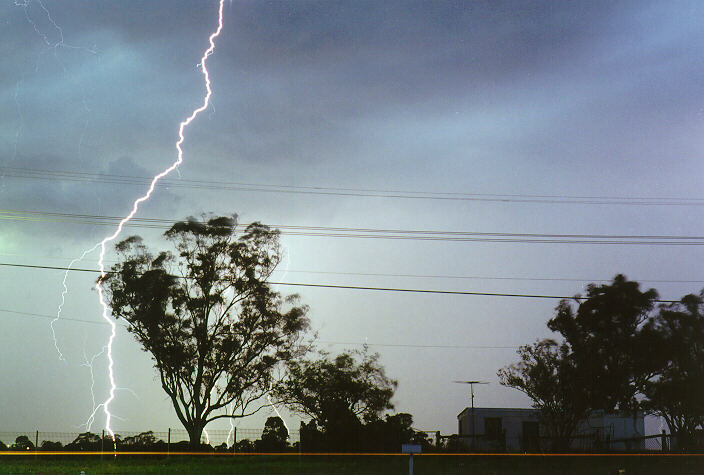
[(326, 342), (357, 287), (429, 276), (409, 345), (479, 277), (55, 175), (377, 233), (43, 315)]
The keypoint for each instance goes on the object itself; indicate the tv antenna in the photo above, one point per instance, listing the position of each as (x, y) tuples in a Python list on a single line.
[(471, 385)]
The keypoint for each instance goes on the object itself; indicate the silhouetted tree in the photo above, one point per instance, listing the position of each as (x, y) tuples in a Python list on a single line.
[(143, 441), (245, 445), (609, 348), (274, 436), (338, 393), (677, 333), (387, 435), (51, 446), (222, 448), (311, 437), (22, 442), (214, 327), (547, 374), (88, 441)]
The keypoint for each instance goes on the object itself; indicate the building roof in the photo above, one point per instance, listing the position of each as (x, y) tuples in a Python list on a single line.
[(507, 410)]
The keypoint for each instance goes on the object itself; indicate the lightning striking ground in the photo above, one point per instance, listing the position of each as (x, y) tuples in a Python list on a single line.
[(135, 207), (232, 425), (277, 412)]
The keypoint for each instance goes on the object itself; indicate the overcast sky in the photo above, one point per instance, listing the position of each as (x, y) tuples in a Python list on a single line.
[(560, 99)]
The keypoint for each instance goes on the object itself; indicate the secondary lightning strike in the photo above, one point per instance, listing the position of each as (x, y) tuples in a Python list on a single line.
[(278, 413), (232, 425), (89, 364), (60, 43), (63, 301), (135, 207)]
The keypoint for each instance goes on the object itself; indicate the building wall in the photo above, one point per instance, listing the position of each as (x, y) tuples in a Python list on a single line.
[(600, 430), (511, 425)]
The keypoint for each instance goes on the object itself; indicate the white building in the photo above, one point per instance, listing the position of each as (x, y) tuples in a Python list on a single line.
[(519, 430)]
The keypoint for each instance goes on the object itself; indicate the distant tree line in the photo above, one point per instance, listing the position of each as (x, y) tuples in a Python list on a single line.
[(619, 350)]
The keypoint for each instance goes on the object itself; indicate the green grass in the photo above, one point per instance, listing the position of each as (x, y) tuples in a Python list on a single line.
[(367, 464)]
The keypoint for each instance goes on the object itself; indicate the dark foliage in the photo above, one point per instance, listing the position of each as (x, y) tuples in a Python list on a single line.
[(274, 436), (214, 327), (245, 445), (548, 375), (607, 342), (677, 333), (339, 394), (22, 442), (51, 446)]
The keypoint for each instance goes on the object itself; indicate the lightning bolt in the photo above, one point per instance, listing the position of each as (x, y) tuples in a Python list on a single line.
[(60, 43), (273, 406), (232, 425), (135, 208), (63, 301), (89, 364)]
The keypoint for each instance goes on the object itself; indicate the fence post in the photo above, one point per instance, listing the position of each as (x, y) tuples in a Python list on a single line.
[(102, 444), (36, 441), (663, 441), (168, 442), (234, 441)]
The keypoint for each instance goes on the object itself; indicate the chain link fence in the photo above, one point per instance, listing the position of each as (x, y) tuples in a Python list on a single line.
[(236, 439), (249, 440), (583, 443)]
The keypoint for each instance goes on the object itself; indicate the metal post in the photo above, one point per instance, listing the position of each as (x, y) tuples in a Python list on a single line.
[(36, 441), (234, 441), (471, 385), (663, 441), (168, 442), (410, 465), (474, 432)]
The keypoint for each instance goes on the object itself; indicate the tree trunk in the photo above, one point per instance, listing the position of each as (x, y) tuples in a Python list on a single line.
[(194, 434)]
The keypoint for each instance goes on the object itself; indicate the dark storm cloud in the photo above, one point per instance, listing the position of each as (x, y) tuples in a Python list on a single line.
[(305, 83)]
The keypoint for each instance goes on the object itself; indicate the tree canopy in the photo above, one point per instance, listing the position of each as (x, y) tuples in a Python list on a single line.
[(677, 333), (274, 436), (606, 338), (214, 327), (547, 374), (338, 393), (618, 353)]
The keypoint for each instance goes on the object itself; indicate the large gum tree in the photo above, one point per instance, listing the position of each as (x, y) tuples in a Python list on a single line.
[(214, 327)]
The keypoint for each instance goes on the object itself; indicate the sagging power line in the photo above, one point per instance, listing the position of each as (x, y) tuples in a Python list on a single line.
[(379, 233), (325, 342), (55, 175), (355, 287)]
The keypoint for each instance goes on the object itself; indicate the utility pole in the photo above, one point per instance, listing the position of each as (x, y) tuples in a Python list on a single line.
[(471, 386)]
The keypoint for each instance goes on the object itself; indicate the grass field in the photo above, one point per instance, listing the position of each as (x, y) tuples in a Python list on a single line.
[(355, 464)]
